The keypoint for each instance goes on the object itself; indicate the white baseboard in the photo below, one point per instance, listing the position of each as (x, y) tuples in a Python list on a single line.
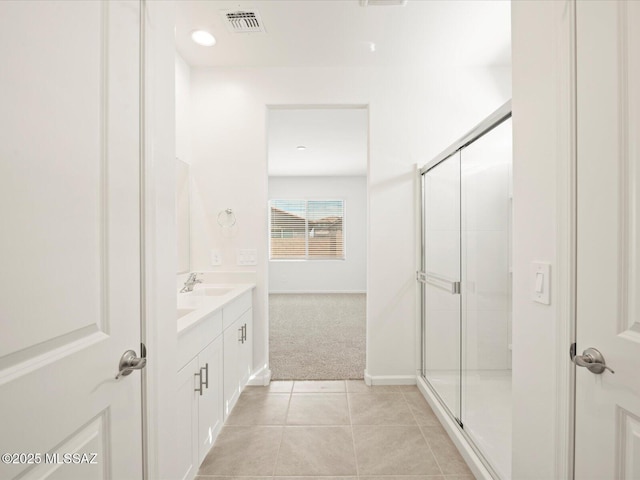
[(453, 430), (389, 379), (260, 378)]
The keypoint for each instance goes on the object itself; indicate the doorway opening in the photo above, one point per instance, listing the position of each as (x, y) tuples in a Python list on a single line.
[(317, 233)]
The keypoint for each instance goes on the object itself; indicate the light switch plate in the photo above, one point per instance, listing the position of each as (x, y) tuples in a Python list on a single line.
[(541, 282), (247, 256)]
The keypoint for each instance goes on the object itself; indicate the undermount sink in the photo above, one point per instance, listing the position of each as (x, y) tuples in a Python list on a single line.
[(212, 291), (184, 311)]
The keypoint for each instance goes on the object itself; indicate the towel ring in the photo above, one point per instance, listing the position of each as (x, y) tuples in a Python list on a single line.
[(230, 220)]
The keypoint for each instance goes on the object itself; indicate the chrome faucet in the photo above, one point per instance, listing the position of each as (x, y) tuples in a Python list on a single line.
[(190, 283)]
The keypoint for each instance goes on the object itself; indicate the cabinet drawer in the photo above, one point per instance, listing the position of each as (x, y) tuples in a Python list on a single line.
[(237, 307), (194, 339)]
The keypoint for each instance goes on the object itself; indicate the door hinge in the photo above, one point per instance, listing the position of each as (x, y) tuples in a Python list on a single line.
[(421, 276), (572, 351)]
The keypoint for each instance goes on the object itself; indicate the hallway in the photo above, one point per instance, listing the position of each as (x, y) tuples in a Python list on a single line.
[(333, 429)]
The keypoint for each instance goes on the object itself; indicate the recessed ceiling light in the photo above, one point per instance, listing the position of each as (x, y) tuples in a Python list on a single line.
[(372, 47), (301, 147), (204, 38)]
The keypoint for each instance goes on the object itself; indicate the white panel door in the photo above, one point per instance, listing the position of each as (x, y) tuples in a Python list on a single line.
[(69, 241), (608, 79)]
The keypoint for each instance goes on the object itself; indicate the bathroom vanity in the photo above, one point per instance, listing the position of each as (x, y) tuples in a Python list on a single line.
[(215, 326)]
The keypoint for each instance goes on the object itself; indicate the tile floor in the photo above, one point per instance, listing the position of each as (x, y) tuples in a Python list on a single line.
[(333, 429)]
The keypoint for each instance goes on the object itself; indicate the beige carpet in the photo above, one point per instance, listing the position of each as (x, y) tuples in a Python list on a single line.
[(317, 336)]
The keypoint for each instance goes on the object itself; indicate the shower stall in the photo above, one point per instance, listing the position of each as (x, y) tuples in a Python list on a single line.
[(465, 280)]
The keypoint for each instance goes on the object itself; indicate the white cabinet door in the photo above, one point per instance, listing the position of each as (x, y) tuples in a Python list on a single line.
[(187, 421), (232, 342), (70, 235), (607, 439), (245, 355), (210, 408)]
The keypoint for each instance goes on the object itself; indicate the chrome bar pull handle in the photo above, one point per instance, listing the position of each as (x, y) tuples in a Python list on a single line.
[(206, 375), (199, 388), (130, 362), (244, 333), (592, 360)]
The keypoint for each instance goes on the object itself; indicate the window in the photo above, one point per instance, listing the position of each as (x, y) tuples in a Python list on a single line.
[(306, 229)]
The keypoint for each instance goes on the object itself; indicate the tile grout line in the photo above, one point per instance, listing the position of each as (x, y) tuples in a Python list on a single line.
[(422, 433), (286, 415), (407, 477), (353, 436)]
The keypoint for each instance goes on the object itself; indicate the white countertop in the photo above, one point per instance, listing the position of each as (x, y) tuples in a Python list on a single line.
[(204, 305)]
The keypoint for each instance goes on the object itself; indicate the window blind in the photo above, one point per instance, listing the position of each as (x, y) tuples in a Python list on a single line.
[(307, 229)]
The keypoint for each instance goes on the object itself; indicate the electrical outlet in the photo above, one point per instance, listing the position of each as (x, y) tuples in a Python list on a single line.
[(216, 258), (247, 256)]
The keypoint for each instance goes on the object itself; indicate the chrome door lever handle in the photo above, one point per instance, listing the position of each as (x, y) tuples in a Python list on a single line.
[(592, 360), (130, 362)]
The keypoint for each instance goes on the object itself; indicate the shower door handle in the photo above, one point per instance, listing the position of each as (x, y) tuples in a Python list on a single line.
[(439, 281)]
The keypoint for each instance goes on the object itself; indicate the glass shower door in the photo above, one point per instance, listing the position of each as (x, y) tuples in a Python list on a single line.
[(441, 281), (486, 295), (466, 286)]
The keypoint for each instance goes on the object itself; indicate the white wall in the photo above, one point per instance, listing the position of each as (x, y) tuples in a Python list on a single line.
[(160, 247), (347, 275), (540, 66), (414, 114)]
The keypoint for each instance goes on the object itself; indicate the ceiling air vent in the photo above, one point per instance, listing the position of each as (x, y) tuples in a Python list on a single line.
[(382, 3), (243, 21)]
